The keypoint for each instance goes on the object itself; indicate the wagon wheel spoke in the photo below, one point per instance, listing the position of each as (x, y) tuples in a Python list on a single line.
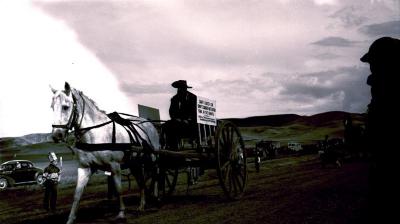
[(235, 148), (236, 142), (239, 180), (229, 179), (224, 149), (239, 184), (224, 138), (231, 136), (169, 172), (168, 181), (233, 182), (226, 164), (241, 176), (227, 174)]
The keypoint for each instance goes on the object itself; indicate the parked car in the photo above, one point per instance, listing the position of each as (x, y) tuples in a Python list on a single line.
[(19, 172), (295, 146)]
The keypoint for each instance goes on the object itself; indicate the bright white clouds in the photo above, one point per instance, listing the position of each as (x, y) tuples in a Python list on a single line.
[(36, 51), (326, 2)]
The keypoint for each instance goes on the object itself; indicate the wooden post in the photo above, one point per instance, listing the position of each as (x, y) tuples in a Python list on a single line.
[(205, 134), (198, 125)]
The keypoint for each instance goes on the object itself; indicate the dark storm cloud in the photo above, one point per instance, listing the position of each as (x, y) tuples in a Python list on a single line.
[(334, 42), (348, 82), (306, 92), (390, 28), (344, 89), (326, 56)]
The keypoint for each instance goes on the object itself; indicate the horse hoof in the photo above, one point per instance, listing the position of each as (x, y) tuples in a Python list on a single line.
[(121, 215), (71, 221), (120, 218)]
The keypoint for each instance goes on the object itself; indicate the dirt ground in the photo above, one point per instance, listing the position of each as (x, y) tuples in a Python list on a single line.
[(287, 190)]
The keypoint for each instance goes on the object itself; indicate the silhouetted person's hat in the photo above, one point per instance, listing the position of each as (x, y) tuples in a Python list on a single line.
[(384, 47), (180, 84)]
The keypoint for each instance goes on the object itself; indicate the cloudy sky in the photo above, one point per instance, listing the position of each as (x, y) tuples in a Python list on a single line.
[(253, 57)]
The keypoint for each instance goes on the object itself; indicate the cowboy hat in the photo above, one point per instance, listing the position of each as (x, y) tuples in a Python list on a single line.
[(180, 84)]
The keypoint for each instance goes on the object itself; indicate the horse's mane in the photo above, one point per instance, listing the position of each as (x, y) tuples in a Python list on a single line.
[(92, 103)]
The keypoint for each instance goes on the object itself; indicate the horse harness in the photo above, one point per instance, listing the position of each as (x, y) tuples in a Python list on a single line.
[(128, 124)]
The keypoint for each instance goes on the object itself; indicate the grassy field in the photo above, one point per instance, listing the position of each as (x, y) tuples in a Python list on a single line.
[(293, 189)]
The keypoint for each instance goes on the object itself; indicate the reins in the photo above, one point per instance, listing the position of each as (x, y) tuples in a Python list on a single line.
[(141, 122)]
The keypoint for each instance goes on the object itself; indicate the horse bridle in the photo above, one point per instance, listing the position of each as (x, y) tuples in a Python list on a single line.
[(73, 117)]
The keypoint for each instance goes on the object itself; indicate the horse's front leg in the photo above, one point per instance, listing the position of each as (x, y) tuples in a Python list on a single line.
[(116, 174), (83, 178)]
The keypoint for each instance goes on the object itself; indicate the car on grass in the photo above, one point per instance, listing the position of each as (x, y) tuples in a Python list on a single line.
[(19, 172)]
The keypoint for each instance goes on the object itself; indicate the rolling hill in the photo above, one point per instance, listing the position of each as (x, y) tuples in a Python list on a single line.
[(291, 127), (284, 128)]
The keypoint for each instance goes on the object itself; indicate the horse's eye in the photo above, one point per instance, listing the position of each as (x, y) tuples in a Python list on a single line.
[(65, 107)]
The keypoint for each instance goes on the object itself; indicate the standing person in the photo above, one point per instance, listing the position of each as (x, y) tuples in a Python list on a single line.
[(51, 177), (257, 159), (383, 58), (183, 114)]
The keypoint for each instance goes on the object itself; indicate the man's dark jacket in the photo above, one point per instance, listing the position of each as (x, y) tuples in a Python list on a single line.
[(184, 107)]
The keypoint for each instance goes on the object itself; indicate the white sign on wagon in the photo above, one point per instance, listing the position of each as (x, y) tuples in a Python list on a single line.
[(206, 111)]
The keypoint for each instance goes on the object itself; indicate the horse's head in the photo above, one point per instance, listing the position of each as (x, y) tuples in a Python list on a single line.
[(63, 112)]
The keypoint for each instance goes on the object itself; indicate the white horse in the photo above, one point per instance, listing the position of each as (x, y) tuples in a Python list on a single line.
[(101, 143)]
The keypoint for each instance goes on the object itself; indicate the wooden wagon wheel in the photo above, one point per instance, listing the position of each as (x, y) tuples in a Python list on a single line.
[(160, 182), (231, 160), (168, 180)]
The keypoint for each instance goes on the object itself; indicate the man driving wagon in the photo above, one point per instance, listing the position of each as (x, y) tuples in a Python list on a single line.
[(183, 112), (184, 126)]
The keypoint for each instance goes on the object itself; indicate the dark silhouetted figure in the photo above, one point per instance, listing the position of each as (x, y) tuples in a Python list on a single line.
[(381, 130), (183, 114), (353, 137)]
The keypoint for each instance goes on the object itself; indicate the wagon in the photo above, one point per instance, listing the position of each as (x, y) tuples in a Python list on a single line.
[(108, 141), (218, 145)]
